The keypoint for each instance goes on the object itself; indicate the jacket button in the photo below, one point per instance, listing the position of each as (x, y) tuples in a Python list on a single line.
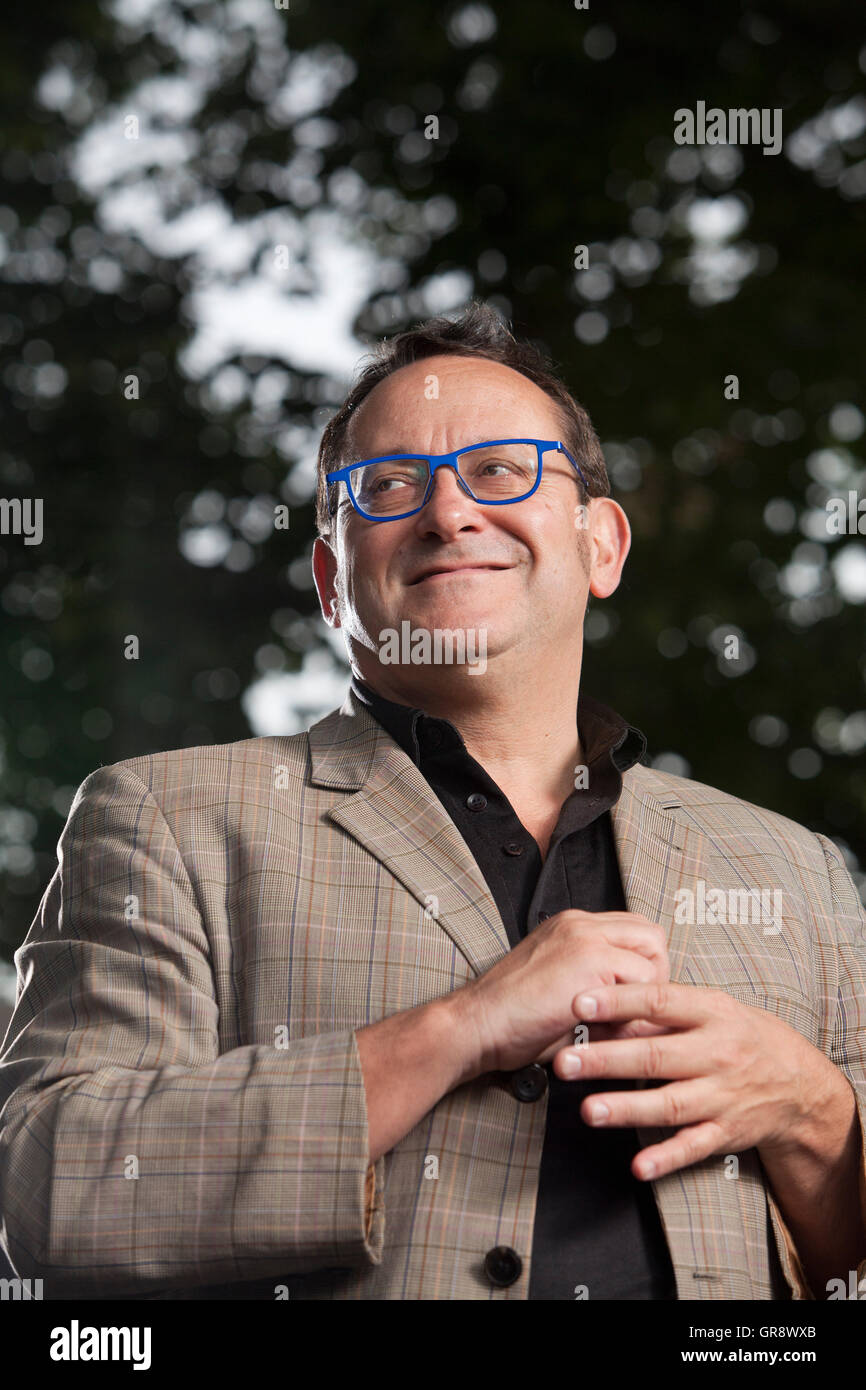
[(528, 1083), (502, 1266)]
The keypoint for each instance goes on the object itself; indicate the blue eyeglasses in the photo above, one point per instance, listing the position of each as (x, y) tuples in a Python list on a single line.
[(494, 474)]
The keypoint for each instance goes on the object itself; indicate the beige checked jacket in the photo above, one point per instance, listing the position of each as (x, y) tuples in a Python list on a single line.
[(183, 1108)]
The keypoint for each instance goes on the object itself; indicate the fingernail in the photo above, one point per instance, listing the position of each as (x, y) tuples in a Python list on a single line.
[(572, 1064), (598, 1112), (587, 1005)]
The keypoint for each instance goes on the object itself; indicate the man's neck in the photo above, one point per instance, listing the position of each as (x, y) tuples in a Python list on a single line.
[(526, 739)]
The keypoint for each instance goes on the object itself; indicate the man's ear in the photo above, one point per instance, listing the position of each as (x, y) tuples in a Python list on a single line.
[(325, 576), (610, 542)]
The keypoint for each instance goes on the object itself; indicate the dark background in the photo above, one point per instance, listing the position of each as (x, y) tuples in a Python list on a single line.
[(306, 129)]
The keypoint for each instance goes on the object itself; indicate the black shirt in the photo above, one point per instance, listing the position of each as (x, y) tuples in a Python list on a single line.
[(596, 1226)]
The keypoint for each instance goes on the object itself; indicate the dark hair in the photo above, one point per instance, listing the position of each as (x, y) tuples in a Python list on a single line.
[(477, 332)]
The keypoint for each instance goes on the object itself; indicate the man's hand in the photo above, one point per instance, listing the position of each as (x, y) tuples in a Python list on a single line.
[(523, 1009), (739, 1077)]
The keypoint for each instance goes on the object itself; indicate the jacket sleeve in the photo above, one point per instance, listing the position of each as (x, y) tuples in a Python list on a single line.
[(846, 936), (134, 1154)]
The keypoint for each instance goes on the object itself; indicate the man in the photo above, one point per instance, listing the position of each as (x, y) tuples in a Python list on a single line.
[(329, 1016)]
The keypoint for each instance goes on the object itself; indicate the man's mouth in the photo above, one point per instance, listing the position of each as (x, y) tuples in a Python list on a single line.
[(444, 571)]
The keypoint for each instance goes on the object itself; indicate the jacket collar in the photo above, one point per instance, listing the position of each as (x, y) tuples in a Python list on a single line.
[(602, 731)]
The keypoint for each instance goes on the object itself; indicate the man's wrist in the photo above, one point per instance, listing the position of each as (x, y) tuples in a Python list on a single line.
[(818, 1134), (453, 1017), (817, 1181)]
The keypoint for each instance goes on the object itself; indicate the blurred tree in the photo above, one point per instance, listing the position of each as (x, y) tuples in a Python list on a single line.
[(227, 201)]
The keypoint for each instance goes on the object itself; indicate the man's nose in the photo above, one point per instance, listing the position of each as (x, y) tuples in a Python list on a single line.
[(448, 497)]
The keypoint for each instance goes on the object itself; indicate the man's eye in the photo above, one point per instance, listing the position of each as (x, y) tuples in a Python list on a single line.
[(382, 483)]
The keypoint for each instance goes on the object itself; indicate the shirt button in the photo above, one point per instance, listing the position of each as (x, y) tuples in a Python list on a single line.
[(513, 848), (476, 802), (503, 1266), (528, 1083)]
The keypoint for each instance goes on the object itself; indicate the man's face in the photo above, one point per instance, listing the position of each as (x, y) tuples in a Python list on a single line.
[(527, 568)]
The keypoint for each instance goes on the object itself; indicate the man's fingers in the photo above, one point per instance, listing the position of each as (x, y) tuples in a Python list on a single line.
[(631, 967), (671, 1058), (601, 1032), (631, 1028), (631, 936), (675, 1005)]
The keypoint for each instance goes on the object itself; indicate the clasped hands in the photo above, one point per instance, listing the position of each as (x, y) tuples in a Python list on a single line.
[(731, 1076)]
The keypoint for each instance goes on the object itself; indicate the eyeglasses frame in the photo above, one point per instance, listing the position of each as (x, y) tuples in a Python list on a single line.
[(434, 461)]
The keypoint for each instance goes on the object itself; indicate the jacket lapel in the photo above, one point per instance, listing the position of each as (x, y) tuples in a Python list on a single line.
[(657, 855), (396, 816)]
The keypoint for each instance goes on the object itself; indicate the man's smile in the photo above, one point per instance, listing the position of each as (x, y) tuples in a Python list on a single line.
[(448, 572)]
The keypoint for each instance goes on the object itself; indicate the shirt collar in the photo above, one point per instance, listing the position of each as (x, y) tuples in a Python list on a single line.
[(602, 731)]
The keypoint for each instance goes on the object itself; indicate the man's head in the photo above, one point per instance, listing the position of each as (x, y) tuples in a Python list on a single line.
[(440, 387)]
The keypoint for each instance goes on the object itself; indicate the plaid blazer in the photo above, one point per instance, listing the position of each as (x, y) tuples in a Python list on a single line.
[(183, 1107)]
